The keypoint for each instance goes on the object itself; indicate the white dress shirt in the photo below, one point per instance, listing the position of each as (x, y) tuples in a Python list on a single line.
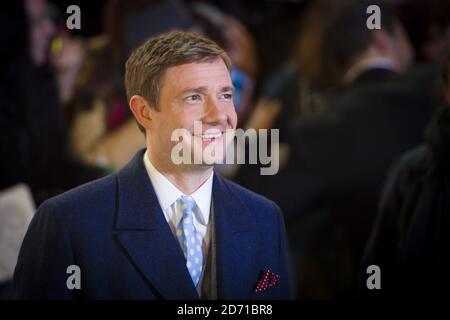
[(168, 195)]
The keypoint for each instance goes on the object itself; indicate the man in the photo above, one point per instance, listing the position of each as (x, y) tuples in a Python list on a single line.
[(157, 230)]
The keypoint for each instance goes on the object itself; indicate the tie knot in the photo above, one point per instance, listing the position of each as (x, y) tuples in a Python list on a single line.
[(187, 204)]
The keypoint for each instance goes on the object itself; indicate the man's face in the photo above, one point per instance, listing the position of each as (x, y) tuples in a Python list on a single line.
[(190, 93)]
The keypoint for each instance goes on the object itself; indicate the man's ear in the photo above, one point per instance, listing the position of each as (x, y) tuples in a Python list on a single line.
[(141, 111)]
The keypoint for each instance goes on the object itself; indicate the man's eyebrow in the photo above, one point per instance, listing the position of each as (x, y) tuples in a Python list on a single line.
[(195, 90), (204, 89), (227, 88)]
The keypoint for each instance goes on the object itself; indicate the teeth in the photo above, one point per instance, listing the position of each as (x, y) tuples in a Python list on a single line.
[(211, 135)]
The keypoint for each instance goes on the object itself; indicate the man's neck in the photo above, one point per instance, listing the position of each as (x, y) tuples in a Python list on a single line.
[(187, 178), (370, 60)]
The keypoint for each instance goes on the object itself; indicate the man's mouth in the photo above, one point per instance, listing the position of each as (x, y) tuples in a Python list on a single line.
[(210, 136)]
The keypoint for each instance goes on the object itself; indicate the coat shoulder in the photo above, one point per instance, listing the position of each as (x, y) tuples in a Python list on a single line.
[(84, 200)]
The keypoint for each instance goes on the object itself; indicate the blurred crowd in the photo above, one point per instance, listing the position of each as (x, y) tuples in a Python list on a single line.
[(363, 117)]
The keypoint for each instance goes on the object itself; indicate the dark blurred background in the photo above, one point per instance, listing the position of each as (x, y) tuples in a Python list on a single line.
[(362, 115)]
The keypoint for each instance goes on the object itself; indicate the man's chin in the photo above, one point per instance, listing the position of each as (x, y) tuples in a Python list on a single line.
[(209, 160), (209, 152)]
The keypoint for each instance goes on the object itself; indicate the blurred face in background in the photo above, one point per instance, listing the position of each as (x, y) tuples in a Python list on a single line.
[(42, 29)]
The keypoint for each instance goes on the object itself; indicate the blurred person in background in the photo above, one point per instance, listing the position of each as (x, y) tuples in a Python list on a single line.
[(34, 144), (33, 133), (330, 188), (290, 92), (410, 241), (428, 27)]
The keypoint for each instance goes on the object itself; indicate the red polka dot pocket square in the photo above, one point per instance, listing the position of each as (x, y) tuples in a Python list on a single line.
[(267, 280)]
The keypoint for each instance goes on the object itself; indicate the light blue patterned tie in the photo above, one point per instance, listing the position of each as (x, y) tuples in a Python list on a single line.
[(189, 239)]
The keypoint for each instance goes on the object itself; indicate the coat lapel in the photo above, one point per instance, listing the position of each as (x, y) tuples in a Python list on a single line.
[(236, 243), (146, 237)]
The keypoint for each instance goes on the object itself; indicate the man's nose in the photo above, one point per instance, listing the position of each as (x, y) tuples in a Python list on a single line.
[(215, 113)]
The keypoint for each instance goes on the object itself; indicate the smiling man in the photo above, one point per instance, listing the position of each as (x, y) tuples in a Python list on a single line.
[(157, 229)]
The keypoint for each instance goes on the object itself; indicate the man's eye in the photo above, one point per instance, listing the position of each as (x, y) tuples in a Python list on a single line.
[(227, 96), (194, 97)]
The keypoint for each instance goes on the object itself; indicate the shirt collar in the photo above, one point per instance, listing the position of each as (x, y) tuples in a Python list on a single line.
[(372, 63), (168, 194)]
